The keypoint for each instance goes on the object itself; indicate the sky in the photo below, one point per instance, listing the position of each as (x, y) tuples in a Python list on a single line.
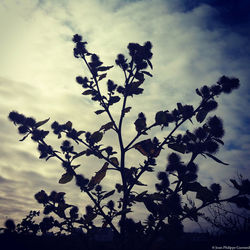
[(194, 43)]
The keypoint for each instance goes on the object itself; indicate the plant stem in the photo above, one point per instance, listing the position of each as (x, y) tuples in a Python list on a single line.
[(99, 92), (102, 213), (209, 203), (128, 147)]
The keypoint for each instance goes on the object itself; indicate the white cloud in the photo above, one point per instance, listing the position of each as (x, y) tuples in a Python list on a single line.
[(38, 71)]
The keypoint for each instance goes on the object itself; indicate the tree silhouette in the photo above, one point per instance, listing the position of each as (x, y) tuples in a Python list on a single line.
[(165, 207)]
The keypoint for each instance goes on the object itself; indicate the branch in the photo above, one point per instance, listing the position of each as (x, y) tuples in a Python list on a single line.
[(102, 213), (185, 119), (99, 92), (104, 157), (209, 203), (128, 147), (91, 197)]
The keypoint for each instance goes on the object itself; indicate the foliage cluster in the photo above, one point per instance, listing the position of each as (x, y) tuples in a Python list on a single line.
[(167, 207)]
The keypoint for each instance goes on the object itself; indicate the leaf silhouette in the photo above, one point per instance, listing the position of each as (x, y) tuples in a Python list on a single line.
[(108, 194), (140, 183), (178, 147), (107, 126), (147, 73), (67, 177), (198, 92), (147, 148), (98, 112), (98, 176), (236, 185), (89, 217), (96, 137), (69, 124), (88, 92), (61, 209), (104, 68), (114, 160), (205, 195), (24, 137), (156, 197), (150, 64), (127, 110), (216, 159), (80, 132), (150, 205), (79, 154), (201, 115), (219, 141), (140, 197), (114, 99), (102, 76), (38, 124)]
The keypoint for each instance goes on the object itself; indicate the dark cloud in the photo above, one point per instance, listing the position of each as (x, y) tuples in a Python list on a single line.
[(229, 14)]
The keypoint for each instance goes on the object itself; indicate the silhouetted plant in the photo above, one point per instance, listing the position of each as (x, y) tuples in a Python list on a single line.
[(28, 224), (165, 207), (226, 219), (10, 226)]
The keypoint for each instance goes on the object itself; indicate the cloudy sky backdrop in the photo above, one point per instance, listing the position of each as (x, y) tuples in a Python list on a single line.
[(194, 43)]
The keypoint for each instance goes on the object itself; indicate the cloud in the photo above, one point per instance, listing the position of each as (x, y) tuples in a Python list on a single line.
[(191, 47)]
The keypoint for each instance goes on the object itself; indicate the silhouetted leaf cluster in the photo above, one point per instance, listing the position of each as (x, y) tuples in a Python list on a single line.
[(169, 205)]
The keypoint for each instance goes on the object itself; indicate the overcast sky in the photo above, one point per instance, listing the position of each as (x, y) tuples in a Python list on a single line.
[(194, 43)]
